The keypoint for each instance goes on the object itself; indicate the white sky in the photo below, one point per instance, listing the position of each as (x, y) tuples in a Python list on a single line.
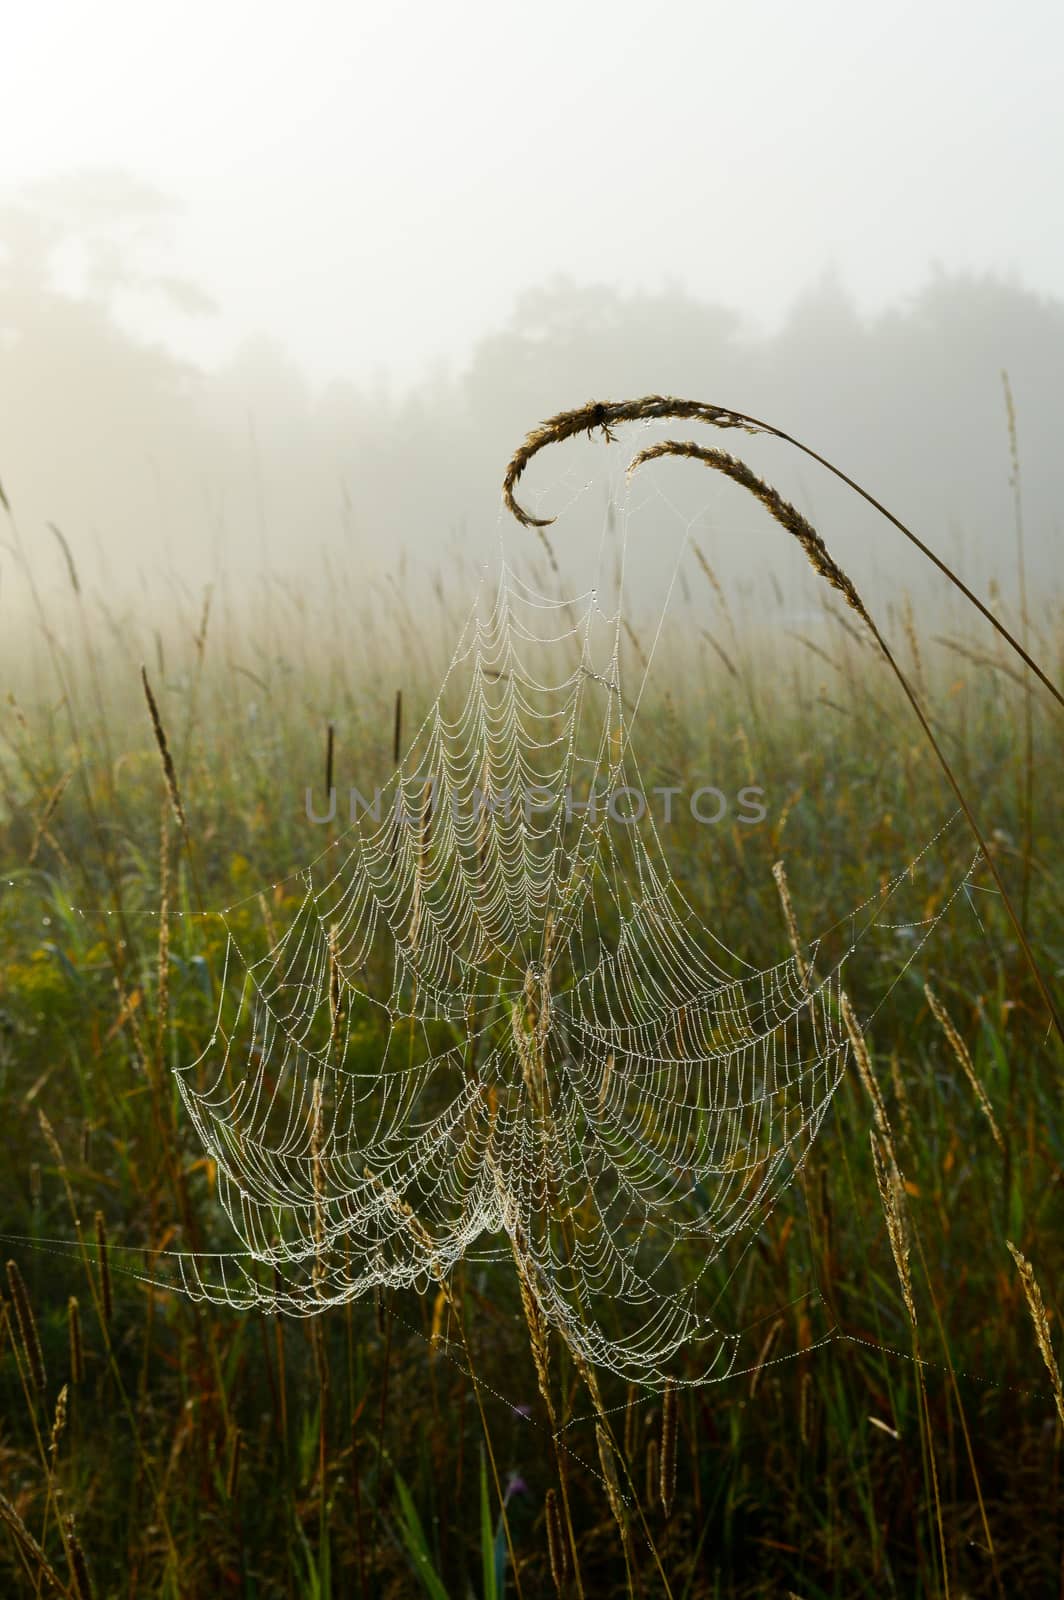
[(374, 184)]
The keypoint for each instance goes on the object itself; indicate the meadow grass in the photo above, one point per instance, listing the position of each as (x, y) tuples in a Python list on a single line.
[(893, 1427)]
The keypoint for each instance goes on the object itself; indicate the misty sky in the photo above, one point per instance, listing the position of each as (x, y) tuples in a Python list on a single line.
[(374, 185)]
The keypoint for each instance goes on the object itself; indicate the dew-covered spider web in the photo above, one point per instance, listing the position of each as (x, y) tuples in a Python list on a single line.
[(494, 1027), (495, 1021), (491, 1025)]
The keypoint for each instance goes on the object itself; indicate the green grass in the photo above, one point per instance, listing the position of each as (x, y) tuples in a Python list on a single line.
[(362, 1465)]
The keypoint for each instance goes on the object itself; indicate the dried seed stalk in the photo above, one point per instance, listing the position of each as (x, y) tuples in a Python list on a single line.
[(1040, 1319), (787, 515), (30, 1549), (397, 727), (26, 1324), (59, 1422), (233, 1475), (48, 1134), (779, 872), (864, 1067), (902, 1098), (77, 1354), (960, 1051), (667, 1476), (79, 1566), (335, 1007), (162, 1005), (104, 1265), (892, 1195), (653, 1468), (609, 1473), (537, 1333), (557, 1544), (164, 753), (803, 1406), (316, 1127)]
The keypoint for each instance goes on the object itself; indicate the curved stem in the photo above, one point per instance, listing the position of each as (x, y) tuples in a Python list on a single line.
[(606, 414)]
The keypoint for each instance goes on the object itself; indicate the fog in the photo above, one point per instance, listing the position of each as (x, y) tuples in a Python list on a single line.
[(266, 300)]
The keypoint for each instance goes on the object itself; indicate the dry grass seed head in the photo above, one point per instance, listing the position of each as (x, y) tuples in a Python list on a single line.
[(164, 752), (233, 1475), (538, 1331), (26, 1323), (710, 575), (901, 1097), (79, 1566), (863, 1063), (77, 1354), (892, 1196), (787, 515), (104, 1265), (803, 1406), (28, 1546), (960, 1051), (59, 1422), (779, 872), (49, 1136), (608, 1462), (1040, 1319), (335, 1015), (667, 1476), (557, 1544), (68, 554), (653, 1472), (605, 415), (729, 664)]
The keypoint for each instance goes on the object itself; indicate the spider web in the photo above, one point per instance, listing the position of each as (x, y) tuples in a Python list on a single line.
[(494, 1022)]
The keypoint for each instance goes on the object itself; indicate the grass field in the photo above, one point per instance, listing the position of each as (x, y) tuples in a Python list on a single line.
[(890, 1428)]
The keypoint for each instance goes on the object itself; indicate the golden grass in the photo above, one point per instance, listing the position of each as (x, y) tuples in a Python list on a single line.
[(1040, 1322), (963, 1057)]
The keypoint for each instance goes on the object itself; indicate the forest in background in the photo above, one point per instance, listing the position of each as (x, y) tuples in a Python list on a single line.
[(144, 460)]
